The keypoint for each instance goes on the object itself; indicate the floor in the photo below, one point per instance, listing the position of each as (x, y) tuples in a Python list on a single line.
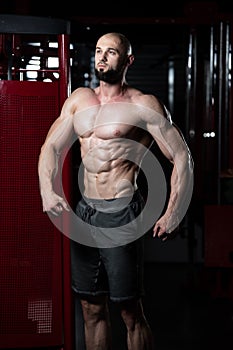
[(189, 307)]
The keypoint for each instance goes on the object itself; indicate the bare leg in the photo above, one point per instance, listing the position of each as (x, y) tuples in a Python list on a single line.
[(139, 335), (96, 323)]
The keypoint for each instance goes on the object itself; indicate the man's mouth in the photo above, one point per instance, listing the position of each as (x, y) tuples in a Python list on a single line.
[(101, 65)]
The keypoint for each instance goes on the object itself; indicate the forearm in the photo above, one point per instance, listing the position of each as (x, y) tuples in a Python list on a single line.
[(181, 189), (47, 169)]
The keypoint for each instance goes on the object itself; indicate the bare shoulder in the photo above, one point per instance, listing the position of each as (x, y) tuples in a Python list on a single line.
[(82, 94), (80, 99), (151, 108), (149, 101)]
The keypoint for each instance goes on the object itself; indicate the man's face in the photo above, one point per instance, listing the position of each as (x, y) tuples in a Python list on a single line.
[(110, 60)]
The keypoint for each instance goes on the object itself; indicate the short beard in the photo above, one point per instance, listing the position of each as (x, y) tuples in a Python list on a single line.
[(111, 76)]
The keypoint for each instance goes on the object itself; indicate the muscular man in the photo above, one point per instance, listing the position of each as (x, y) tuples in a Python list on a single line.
[(115, 125)]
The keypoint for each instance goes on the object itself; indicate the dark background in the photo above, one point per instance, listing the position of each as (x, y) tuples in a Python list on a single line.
[(189, 284)]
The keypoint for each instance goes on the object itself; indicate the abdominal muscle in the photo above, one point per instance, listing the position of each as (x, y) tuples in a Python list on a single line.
[(109, 169), (109, 184)]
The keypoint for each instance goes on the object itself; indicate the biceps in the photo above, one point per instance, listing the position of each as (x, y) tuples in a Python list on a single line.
[(60, 134)]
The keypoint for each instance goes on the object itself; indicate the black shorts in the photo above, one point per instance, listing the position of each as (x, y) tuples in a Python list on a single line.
[(115, 271)]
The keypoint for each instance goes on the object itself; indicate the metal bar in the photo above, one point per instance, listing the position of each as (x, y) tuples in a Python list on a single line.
[(33, 25), (64, 90), (220, 92)]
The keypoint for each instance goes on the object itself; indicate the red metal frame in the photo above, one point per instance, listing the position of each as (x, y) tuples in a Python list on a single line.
[(36, 298)]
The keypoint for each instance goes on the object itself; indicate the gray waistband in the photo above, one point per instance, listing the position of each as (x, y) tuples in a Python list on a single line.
[(109, 205)]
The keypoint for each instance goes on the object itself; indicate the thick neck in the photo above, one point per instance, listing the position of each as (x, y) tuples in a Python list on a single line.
[(109, 92)]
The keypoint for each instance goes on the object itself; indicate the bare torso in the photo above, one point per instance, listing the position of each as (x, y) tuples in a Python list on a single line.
[(113, 142)]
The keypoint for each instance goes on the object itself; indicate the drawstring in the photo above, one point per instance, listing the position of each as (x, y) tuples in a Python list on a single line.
[(88, 212)]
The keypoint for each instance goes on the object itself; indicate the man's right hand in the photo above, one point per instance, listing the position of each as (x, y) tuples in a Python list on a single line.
[(54, 204)]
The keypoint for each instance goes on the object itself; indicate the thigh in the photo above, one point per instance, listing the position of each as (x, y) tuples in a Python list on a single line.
[(87, 270), (124, 266)]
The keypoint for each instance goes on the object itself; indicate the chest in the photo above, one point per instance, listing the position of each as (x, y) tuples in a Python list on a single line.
[(107, 121)]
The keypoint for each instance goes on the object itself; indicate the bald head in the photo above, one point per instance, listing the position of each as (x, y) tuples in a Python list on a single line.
[(121, 41)]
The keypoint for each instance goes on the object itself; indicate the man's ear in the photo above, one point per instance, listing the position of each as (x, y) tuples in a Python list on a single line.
[(130, 60)]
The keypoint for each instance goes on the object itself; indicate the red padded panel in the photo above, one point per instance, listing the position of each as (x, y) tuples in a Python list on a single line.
[(219, 235), (30, 247)]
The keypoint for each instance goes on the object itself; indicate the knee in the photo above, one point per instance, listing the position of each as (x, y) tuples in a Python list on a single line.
[(129, 319), (132, 314), (93, 312)]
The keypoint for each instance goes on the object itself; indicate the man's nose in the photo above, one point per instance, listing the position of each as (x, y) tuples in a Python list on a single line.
[(103, 57)]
